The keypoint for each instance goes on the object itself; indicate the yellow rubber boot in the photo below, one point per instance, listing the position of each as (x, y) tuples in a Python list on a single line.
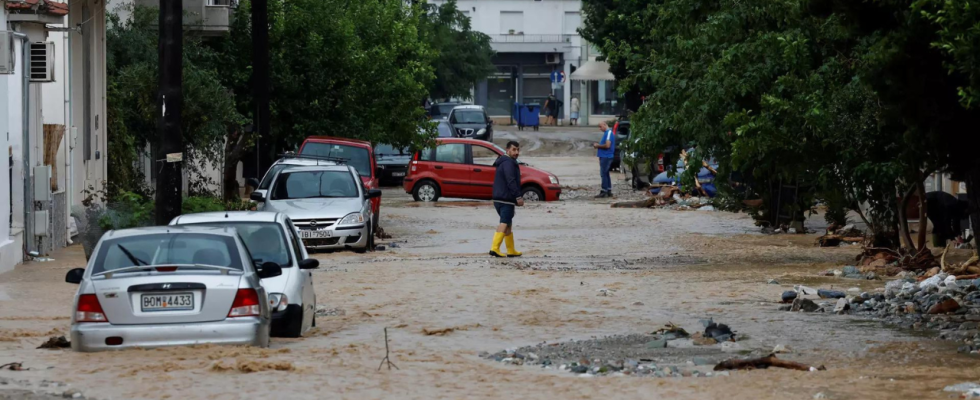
[(511, 249), (498, 239)]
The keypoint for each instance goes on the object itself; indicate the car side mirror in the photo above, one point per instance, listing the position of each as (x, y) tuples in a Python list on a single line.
[(257, 196), (75, 275), (254, 183), (309, 263), (373, 193), (269, 269)]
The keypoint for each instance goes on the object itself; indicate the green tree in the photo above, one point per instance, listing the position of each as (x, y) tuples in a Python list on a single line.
[(462, 56)]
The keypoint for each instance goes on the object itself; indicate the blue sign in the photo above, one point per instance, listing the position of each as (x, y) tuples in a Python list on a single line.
[(557, 76)]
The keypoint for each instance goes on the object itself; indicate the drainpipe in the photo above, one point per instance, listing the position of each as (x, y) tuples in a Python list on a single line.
[(25, 145)]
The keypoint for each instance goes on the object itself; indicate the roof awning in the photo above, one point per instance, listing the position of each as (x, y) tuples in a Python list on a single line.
[(593, 71)]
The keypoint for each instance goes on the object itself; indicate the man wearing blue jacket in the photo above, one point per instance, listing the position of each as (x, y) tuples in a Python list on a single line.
[(506, 198)]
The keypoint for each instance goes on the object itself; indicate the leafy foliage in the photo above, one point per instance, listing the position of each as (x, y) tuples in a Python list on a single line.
[(462, 56)]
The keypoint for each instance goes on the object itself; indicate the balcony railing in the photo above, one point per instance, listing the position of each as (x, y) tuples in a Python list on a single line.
[(521, 38)]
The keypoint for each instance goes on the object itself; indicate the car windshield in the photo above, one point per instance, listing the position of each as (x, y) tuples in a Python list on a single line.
[(445, 109), (167, 249), (468, 117), (384, 150), (264, 240), (356, 157), (445, 130), (314, 184)]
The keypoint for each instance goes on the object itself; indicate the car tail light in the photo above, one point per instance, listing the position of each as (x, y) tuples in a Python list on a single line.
[(246, 304), (89, 309)]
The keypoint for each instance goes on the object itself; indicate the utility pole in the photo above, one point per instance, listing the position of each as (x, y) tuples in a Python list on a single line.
[(170, 145), (265, 146)]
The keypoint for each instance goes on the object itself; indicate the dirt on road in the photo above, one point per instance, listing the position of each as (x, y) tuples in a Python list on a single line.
[(588, 272)]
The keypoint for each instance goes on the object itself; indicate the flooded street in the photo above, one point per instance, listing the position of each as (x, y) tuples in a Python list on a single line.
[(588, 271)]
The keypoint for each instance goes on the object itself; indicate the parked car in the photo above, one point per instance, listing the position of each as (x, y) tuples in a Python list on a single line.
[(392, 163), (463, 168), (442, 110), (328, 205), (272, 237), (286, 161), (471, 122), (445, 129), (170, 286), (622, 131), (357, 153)]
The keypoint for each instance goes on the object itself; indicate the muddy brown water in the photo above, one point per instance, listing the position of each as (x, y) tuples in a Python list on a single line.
[(654, 267)]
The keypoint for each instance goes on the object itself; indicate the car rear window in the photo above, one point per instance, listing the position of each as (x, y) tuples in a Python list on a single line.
[(167, 249), (264, 240), (468, 117), (356, 157), (314, 184)]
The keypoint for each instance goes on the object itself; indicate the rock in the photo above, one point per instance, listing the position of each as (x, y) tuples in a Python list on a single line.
[(71, 394), (789, 296), (837, 272), (805, 305), (831, 294), (785, 307), (933, 282), (854, 290), (961, 387), (639, 303), (772, 282), (657, 344), (931, 272), (842, 306), (879, 263), (730, 347), (945, 306), (970, 325), (820, 395), (850, 270), (580, 369), (780, 349)]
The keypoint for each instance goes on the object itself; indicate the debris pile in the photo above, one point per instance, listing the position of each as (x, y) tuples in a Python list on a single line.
[(670, 197), (846, 235), (940, 302)]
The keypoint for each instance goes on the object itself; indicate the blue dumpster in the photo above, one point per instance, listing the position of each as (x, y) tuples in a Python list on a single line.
[(530, 115)]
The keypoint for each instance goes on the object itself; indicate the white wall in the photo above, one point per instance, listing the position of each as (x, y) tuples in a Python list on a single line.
[(11, 132), (540, 17), (91, 172)]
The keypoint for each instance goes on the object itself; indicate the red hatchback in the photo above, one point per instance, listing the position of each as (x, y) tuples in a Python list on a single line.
[(356, 153), (463, 168)]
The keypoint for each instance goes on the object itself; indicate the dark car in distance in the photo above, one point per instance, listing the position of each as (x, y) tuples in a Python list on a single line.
[(392, 164), (471, 122)]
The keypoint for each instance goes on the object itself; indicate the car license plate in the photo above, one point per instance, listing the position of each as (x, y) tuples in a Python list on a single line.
[(397, 174), (167, 302), (315, 234)]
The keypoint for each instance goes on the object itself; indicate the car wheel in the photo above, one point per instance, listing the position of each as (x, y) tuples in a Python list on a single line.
[(531, 193), (426, 191), (368, 246)]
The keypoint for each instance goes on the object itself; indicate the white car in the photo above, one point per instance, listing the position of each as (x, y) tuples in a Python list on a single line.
[(272, 237), (289, 160), (328, 204)]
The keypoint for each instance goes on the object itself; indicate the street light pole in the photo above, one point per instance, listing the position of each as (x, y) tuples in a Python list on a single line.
[(170, 144)]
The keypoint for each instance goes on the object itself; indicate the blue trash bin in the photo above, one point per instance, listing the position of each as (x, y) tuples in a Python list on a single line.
[(530, 115)]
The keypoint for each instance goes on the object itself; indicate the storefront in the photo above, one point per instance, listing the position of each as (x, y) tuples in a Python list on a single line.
[(597, 93)]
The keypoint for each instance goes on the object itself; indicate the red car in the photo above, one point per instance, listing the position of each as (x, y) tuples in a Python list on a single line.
[(356, 153), (463, 168)]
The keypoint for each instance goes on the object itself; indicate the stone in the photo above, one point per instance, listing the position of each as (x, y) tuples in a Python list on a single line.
[(772, 282), (785, 307), (780, 349), (842, 306), (970, 325), (804, 305), (850, 269), (789, 296), (961, 387), (945, 306), (657, 344), (71, 394), (831, 294), (820, 395), (580, 369), (854, 290)]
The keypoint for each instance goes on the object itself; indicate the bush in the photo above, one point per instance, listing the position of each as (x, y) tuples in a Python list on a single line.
[(200, 204)]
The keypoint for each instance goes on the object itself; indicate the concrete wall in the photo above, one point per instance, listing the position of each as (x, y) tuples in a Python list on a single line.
[(87, 171), (11, 115)]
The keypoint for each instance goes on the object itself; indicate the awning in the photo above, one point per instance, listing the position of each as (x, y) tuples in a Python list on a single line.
[(593, 71)]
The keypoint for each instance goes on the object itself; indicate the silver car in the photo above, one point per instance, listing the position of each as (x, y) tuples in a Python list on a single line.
[(290, 160), (170, 286), (271, 237), (328, 204)]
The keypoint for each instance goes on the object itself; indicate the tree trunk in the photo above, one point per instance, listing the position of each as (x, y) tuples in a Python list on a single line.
[(923, 220), (973, 197), (903, 223), (234, 151)]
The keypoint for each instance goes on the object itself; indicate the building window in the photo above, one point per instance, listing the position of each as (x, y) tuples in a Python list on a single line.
[(573, 20), (512, 22), (605, 100)]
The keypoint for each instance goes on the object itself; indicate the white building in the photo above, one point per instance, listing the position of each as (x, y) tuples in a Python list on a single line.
[(533, 39), (57, 109)]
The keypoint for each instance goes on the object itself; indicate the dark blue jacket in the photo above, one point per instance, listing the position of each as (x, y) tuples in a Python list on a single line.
[(507, 182)]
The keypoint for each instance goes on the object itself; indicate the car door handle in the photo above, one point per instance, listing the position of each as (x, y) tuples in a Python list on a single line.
[(477, 170), (438, 167)]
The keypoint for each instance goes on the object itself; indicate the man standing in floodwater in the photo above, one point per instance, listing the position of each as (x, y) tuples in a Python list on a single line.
[(506, 198), (605, 150)]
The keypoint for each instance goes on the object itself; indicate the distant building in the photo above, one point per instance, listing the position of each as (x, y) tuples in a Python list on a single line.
[(533, 39)]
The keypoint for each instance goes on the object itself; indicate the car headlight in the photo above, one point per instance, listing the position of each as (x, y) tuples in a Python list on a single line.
[(553, 179), (352, 219), (278, 301), (481, 132)]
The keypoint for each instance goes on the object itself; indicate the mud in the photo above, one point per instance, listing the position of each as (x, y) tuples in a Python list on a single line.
[(589, 272)]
